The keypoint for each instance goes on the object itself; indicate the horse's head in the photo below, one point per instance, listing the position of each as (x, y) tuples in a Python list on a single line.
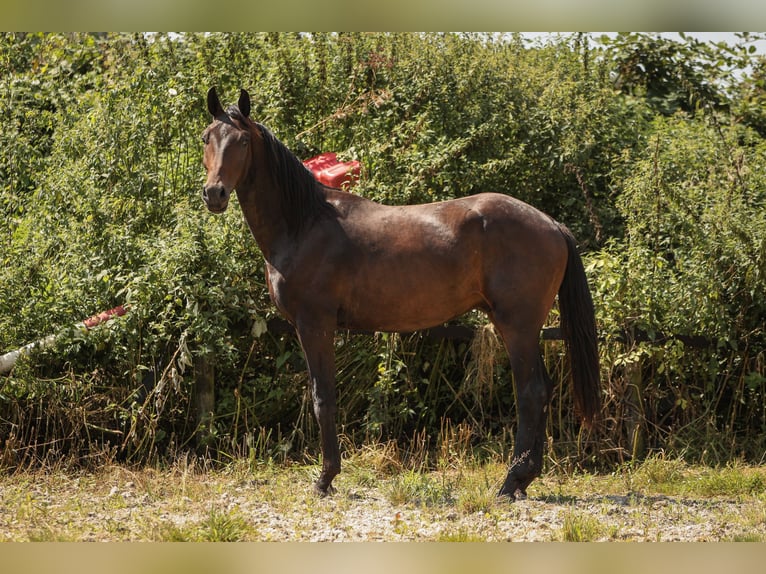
[(227, 153)]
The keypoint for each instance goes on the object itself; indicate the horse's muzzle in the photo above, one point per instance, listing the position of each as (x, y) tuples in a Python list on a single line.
[(216, 198)]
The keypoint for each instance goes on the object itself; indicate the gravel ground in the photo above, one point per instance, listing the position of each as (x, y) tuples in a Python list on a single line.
[(371, 518), (122, 505)]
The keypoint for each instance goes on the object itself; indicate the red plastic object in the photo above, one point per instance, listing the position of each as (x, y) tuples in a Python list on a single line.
[(328, 170), (103, 317)]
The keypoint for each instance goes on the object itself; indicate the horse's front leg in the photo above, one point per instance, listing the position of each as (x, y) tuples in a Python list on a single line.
[(317, 344)]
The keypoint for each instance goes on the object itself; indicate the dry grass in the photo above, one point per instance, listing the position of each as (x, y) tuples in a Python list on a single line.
[(378, 499)]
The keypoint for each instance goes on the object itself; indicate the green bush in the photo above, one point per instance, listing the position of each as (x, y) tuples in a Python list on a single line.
[(685, 286), (100, 173)]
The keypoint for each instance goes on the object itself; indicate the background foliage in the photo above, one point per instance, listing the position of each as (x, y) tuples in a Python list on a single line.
[(650, 150)]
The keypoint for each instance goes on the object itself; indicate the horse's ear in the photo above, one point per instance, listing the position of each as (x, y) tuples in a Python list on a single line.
[(244, 103), (213, 103)]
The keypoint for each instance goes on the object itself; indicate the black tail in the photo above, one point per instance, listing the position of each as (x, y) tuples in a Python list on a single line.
[(578, 324)]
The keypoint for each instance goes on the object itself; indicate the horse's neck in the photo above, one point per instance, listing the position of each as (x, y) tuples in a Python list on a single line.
[(261, 206)]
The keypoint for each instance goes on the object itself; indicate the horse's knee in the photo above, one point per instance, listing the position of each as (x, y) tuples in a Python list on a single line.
[(324, 412)]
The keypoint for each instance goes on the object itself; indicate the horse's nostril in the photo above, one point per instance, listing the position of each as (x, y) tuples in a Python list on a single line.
[(216, 193)]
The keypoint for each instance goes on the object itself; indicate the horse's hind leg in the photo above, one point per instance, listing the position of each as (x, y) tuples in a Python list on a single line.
[(533, 393)]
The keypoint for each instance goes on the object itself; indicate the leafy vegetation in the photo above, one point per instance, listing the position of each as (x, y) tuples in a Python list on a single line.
[(650, 150)]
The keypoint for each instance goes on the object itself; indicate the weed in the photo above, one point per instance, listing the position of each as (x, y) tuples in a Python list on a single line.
[(732, 480), (217, 526), (477, 498), (221, 526), (367, 463), (460, 535), (48, 533), (171, 532), (420, 489), (749, 537), (660, 471), (579, 527)]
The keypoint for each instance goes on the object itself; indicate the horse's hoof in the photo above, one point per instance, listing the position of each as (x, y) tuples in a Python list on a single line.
[(517, 494), (324, 491)]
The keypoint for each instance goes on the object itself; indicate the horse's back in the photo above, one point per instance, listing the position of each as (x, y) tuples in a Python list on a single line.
[(366, 216)]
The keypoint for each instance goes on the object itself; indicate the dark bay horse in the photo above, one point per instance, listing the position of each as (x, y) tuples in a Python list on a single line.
[(335, 260)]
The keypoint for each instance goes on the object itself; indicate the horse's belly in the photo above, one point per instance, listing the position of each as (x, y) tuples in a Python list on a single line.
[(397, 305)]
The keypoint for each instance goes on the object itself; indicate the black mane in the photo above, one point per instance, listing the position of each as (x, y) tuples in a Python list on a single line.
[(303, 197)]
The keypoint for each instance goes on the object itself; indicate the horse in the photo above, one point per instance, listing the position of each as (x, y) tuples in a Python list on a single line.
[(336, 260)]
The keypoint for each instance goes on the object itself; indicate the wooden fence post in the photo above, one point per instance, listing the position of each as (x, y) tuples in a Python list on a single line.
[(636, 416), (204, 396)]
